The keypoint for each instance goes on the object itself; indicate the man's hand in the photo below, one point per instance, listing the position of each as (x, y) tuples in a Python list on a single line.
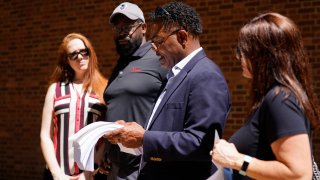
[(114, 136), (130, 136)]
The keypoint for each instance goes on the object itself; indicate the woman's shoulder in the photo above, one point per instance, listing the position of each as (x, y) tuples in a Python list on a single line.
[(278, 91), (279, 95), (52, 86), (56, 87)]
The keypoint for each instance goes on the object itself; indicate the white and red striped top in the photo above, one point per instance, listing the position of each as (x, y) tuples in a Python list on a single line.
[(72, 111)]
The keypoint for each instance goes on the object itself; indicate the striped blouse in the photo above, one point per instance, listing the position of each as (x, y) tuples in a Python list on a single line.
[(71, 113)]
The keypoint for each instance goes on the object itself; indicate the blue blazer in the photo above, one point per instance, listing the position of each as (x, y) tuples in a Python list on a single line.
[(181, 133)]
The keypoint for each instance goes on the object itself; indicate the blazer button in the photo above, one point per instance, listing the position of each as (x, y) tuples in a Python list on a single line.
[(155, 159)]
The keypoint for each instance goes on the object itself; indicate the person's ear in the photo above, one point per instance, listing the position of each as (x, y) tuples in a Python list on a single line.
[(182, 37), (144, 28)]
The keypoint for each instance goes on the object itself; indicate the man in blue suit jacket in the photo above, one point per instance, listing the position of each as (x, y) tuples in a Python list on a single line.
[(195, 102)]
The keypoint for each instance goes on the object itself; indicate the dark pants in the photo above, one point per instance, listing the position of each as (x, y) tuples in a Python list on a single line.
[(47, 174), (100, 176)]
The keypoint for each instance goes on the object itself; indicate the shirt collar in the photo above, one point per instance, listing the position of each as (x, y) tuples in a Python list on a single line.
[(180, 65), (139, 53), (142, 50)]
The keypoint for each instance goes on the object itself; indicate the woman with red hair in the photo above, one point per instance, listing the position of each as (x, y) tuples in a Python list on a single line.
[(73, 100)]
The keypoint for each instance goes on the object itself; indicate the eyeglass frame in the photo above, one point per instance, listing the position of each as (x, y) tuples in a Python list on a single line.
[(74, 55), (127, 29), (157, 45)]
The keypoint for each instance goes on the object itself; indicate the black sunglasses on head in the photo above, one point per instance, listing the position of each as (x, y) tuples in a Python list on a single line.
[(161, 11)]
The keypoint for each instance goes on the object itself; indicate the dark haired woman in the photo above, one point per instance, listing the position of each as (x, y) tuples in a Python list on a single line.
[(274, 142)]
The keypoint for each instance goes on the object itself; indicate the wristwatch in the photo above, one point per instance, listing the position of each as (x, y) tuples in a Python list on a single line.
[(246, 161)]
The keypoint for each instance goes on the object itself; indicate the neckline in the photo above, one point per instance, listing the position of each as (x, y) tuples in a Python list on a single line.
[(75, 86)]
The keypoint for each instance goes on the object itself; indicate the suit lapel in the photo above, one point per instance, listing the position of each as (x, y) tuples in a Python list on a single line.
[(176, 81)]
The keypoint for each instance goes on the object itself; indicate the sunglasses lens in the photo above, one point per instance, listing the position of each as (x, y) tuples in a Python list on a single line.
[(84, 52), (74, 55)]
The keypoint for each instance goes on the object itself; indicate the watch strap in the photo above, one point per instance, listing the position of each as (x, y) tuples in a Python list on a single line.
[(246, 161)]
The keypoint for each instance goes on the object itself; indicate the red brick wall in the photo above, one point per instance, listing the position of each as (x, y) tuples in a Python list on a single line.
[(30, 32)]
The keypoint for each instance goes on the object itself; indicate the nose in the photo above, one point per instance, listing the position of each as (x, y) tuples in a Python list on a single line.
[(78, 58), (122, 33)]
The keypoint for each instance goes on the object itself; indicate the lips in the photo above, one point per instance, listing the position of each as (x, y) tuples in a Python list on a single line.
[(83, 62), (123, 42)]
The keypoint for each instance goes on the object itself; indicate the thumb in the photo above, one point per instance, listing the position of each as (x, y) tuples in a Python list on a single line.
[(122, 122)]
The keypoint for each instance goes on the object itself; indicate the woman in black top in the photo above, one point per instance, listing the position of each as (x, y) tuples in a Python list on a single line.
[(274, 142)]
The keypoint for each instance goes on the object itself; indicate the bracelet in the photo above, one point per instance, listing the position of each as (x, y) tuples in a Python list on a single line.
[(246, 160)]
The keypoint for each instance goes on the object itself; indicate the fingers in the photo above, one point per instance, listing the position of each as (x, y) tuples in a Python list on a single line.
[(122, 122), (74, 177), (114, 141), (130, 135), (214, 153), (114, 136), (114, 133), (101, 171)]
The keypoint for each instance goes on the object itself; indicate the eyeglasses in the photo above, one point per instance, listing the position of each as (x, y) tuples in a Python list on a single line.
[(158, 41), (74, 54), (126, 29)]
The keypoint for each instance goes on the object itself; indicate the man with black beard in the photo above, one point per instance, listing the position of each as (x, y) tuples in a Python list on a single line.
[(134, 85)]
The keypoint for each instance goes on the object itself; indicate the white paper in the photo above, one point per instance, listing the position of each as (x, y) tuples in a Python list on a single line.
[(84, 142), (219, 174), (133, 151)]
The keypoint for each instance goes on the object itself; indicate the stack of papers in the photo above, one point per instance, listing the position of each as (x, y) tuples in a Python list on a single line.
[(84, 142)]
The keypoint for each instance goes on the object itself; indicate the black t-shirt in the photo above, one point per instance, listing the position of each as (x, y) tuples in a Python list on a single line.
[(278, 116)]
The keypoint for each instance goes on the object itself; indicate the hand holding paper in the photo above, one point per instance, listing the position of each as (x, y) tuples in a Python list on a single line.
[(85, 139), (130, 135), (219, 174)]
